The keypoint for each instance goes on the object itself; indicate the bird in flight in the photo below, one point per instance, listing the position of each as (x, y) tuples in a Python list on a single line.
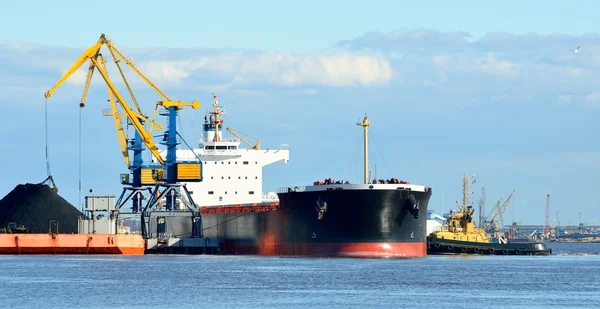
[(576, 50)]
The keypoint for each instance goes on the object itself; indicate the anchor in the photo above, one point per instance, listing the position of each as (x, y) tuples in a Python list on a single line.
[(321, 208)]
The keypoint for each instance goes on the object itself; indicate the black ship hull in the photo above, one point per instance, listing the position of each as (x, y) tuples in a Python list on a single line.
[(449, 246), (333, 222)]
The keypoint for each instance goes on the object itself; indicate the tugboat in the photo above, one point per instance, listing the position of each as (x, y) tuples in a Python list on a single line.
[(460, 236)]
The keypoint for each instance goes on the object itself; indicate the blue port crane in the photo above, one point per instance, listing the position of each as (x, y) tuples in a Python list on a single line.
[(169, 173)]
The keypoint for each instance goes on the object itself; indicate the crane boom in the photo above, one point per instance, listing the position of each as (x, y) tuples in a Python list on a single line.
[(146, 137), (89, 53), (505, 206), (255, 147), (93, 55), (121, 135)]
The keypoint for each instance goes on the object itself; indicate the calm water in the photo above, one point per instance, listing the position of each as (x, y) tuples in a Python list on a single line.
[(568, 279)]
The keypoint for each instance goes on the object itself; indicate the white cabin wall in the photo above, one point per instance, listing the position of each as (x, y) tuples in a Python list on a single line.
[(230, 180)]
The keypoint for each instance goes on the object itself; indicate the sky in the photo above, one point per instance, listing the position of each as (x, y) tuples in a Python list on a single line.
[(490, 90)]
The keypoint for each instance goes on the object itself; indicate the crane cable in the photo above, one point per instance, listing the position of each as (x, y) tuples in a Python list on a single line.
[(46, 131), (79, 200)]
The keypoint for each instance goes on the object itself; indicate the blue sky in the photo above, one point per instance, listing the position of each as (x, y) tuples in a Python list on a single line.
[(452, 88)]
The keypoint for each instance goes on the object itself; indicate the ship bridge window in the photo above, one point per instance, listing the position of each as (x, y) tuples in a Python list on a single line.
[(211, 192), (250, 192), (231, 147), (209, 147), (221, 147), (246, 162)]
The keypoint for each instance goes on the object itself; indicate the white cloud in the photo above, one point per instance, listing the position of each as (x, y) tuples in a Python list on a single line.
[(342, 69), (199, 68), (469, 63), (441, 61), (564, 99), (495, 66), (592, 98), (573, 72), (309, 91)]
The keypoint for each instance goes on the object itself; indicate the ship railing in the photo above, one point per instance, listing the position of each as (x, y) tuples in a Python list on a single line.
[(291, 189), (445, 228)]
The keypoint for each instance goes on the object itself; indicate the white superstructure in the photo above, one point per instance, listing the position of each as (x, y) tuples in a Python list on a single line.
[(231, 175)]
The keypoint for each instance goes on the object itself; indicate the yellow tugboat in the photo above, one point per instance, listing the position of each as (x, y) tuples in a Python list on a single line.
[(460, 236)]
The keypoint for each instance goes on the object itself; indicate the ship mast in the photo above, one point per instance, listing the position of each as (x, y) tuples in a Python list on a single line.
[(366, 124), (217, 120), (466, 191)]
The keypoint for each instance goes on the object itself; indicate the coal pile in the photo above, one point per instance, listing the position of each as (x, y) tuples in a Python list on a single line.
[(34, 206)]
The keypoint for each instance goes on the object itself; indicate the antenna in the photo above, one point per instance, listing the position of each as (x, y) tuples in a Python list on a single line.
[(546, 223)]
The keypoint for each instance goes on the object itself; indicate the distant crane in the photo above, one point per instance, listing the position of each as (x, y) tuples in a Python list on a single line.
[(496, 218), (546, 222), (482, 208), (237, 134)]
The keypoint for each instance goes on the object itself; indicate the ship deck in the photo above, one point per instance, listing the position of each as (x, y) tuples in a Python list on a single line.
[(240, 208)]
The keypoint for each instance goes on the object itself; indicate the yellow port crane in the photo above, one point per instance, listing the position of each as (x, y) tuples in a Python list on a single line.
[(176, 171), (237, 134)]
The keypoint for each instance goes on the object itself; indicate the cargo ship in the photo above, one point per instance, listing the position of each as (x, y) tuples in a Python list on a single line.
[(379, 218)]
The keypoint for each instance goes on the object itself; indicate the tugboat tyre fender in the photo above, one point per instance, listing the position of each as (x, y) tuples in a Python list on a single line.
[(504, 251), (492, 250), (476, 250), (518, 251), (450, 247), (437, 244), (464, 249)]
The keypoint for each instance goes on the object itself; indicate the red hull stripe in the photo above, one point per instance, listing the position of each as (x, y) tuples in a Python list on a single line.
[(358, 250)]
